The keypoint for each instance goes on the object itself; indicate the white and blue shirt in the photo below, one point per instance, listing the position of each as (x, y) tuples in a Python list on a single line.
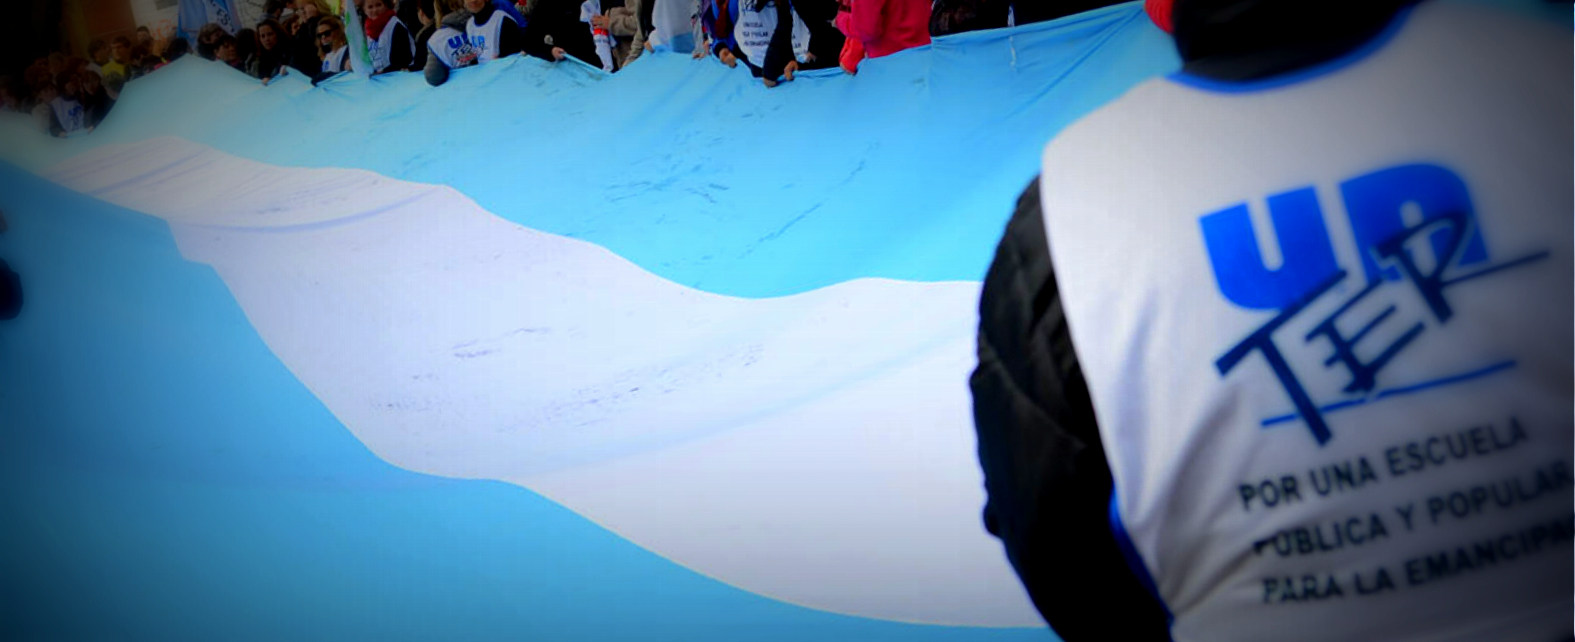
[(1325, 321)]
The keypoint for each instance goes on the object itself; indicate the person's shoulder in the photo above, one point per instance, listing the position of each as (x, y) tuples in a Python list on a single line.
[(1131, 112)]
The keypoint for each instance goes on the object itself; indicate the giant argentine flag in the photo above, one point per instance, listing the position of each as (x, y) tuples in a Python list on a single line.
[(509, 359)]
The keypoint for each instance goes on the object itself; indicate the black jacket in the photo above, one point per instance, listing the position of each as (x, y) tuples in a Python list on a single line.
[(556, 23), (400, 52), (1046, 474), (303, 49), (418, 58), (511, 36), (825, 40)]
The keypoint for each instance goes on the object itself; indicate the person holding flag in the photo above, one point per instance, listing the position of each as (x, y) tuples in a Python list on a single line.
[(465, 38), (333, 47), (449, 48), (495, 32), (389, 44)]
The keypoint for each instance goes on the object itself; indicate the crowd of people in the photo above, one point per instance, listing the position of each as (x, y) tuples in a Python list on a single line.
[(69, 94), (773, 39)]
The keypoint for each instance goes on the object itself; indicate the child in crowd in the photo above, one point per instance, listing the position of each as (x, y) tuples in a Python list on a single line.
[(98, 56), (208, 40), (144, 38), (305, 54), (389, 43), (333, 47), (426, 15), (119, 57), (493, 33), (554, 31), (273, 55), (95, 100), (775, 40), (717, 17), (67, 114), (228, 51), (449, 47)]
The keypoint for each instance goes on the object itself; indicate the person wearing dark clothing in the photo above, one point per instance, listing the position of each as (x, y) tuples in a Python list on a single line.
[(717, 18), (246, 46), (494, 33), (1047, 474), (175, 49), (228, 51), (409, 13), (822, 50), (555, 25), (305, 55), (958, 16), (389, 43), (303, 48), (441, 56), (208, 40), (426, 17), (273, 52), (825, 39), (66, 113), (95, 99)]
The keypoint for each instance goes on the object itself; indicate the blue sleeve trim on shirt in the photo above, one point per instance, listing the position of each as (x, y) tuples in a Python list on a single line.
[(1135, 561)]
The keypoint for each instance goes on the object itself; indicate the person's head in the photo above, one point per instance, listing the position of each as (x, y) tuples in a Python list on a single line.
[(57, 63), (330, 34), (68, 84), (273, 9), (375, 8), (476, 6), (269, 33), (91, 83), (227, 50), (425, 12), (315, 9), (207, 37), (98, 51), (44, 92), (120, 51), (144, 37)]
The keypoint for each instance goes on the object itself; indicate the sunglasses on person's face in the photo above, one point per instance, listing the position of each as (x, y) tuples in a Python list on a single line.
[(324, 35)]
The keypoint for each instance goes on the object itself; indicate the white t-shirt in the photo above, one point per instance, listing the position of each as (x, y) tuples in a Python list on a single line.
[(1325, 321), (754, 29)]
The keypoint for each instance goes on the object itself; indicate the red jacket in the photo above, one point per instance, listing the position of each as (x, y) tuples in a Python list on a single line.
[(1159, 12), (889, 26)]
